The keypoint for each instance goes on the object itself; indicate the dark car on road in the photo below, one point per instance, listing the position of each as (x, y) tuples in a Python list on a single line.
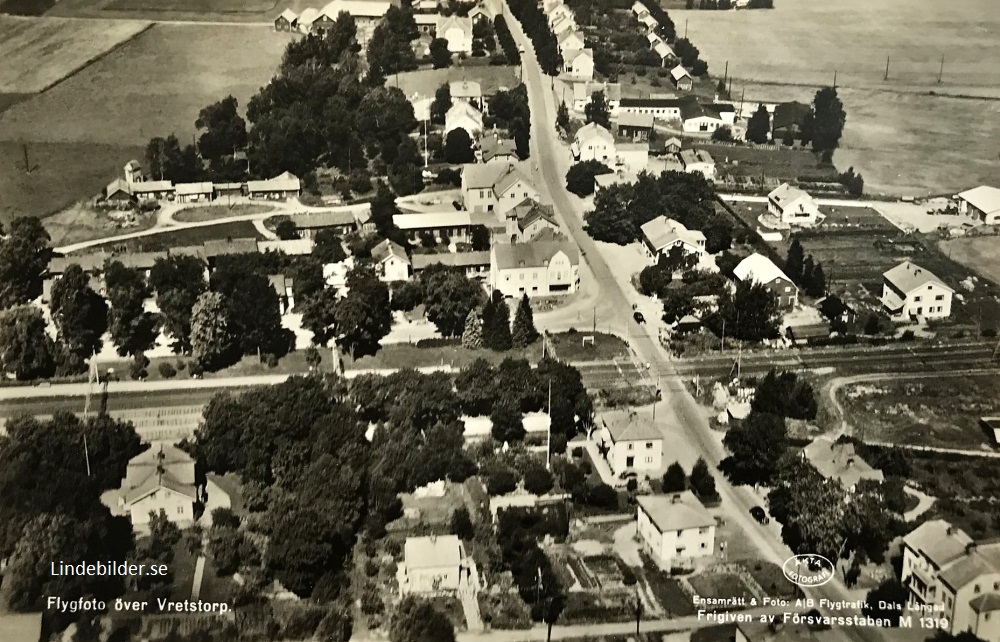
[(638, 317), (760, 515)]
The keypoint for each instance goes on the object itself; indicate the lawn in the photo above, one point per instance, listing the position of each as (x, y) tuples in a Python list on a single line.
[(720, 585), (426, 81), (771, 578), (213, 212), (978, 253), (569, 346), (188, 236), (62, 174), (130, 95), (407, 355), (783, 163), (40, 53), (81, 223), (943, 411)]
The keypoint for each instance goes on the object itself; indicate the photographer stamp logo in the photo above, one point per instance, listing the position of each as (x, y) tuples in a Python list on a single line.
[(808, 570)]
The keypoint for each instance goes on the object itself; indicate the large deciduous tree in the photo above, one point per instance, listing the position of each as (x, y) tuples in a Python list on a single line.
[(24, 256), (79, 314), (363, 317), (449, 297), (223, 129), (178, 281), (26, 351), (213, 343), (254, 313), (755, 447), (132, 329), (580, 177), (750, 314), (416, 620), (458, 147)]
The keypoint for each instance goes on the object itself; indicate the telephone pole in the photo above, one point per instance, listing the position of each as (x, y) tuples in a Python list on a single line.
[(27, 165), (886, 77), (834, 78), (941, 70)]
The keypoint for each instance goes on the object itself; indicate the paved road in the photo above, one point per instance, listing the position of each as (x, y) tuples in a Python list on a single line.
[(549, 156)]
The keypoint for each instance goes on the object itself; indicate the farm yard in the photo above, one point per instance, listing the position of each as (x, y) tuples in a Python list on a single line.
[(942, 411), (904, 135)]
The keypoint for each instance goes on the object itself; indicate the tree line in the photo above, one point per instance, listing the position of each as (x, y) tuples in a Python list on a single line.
[(536, 27)]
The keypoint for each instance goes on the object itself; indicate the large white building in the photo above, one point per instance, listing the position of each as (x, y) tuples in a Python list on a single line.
[(542, 268), (662, 234), (432, 565), (594, 142), (633, 444), (793, 206), (909, 290), (458, 32), (463, 115), (676, 529), (981, 203), (579, 64), (953, 578), (495, 187)]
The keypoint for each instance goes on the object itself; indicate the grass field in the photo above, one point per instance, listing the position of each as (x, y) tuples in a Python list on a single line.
[(38, 53), (131, 95), (980, 253), (942, 412), (784, 163), (197, 6), (426, 81), (62, 174), (189, 236), (903, 139), (212, 212)]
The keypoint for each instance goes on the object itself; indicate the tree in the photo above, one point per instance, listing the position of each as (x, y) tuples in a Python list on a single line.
[(461, 523), (79, 313), (24, 257), (795, 261), (286, 230), (508, 426), (496, 324), (253, 310), (328, 248), (552, 608), (475, 386), (537, 480), (363, 317), (458, 147), (756, 447), (213, 344), (886, 601), (224, 130), (167, 160), (472, 334), (580, 177), (389, 49), (524, 333), (833, 308), (702, 481), (785, 395), (178, 281), (500, 480), (449, 297), (815, 285), (854, 183), (749, 314), (677, 303), (440, 56), (441, 103), (416, 620), (132, 329), (562, 116), (319, 315), (598, 111), (674, 479), (26, 351), (759, 126), (825, 124)]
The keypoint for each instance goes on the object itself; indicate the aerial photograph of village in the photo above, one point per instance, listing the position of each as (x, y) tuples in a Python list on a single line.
[(499, 321)]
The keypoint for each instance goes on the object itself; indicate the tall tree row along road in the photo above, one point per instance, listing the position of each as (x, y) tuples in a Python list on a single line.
[(549, 162)]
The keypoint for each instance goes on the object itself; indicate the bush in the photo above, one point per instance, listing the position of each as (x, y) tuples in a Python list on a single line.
[(449, 176), (371, 567), (180, 365), (196, 369), (907, 335), (578, 451), (167, 371), (137, 369), (271, 360)]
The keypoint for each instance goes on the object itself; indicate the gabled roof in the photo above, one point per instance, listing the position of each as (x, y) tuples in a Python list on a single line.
[(145, 187), (628, 427), (118, 185), (329, 218), (984, 198), (649, 21), (566, 35), (981, 559), (985, 603), (387, 249), (289, 15), (663, 50), (629, 119), (432, 220), (357, 8), (435, 551), (653, 103), (938, 541), (187, 189), (572, 55), (592, 133), (291, 247), (533, 255), (461, 108), (493, 146), (455, 22), (451, 259), (585, 90), (222, 247), (839, 461), (907, 277), (465, 89), (690, 109), (160, 466), (536, 213), (690, 157), (759, 269), (308, 16), (286, 182), (638, 7), (792, 113), (675, 512), (507, 179), (662, 231), (679, 72), (653, 38), (785, 194)]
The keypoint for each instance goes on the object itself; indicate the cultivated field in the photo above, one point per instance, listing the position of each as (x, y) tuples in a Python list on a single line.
[(942, 411), (426, 81), (206, 10), (131, 95), (39, 53), (980, 253), (903, 135)]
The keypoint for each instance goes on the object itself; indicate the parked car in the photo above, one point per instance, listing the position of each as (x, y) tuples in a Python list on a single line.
[(760, 515), (629, 474), (638, 317)]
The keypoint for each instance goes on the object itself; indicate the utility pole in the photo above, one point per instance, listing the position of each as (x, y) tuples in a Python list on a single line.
[(941, 70), (725, 74), (27, 165), (685, 28), (548, 441), (743, 95), (886, 77), (834, 78)]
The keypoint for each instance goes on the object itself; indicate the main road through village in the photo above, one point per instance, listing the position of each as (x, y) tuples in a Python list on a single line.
[(549, 160)]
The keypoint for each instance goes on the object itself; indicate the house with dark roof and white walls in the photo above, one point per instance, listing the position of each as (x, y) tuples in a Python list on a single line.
[(909, 290), (632, 443), (759, 269), (542, 268), (675, 529)]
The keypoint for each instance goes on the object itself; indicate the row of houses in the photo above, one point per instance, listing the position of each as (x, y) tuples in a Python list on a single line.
[(124, 191), (578, 59), (595, 142)]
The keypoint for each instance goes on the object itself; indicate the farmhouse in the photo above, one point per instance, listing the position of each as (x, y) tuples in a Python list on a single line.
[(537, 269), (579, 63), (583, 93), (759, 269), (495, 187), (675, 529), (793, 206), (638, 127), (432, 565), (391, 261), (681, 78), (631, 443), (981, 203), (287, 21), (444, 226), (840, 462), (787, 120), (286, 185), (569, 40), (462, 115), (662, 234), (496, 148), (458, 32), (475, 264), (594, 142), (340, 221), (697, 160), (909, 290), (944, 567), (161, 478), (193, 192)]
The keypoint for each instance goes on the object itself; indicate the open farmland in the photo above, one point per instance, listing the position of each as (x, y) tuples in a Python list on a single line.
[(904, 134), (981, 253), (39, 53)]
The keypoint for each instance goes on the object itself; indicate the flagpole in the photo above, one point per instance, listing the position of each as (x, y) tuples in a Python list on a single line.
[(548, 445)]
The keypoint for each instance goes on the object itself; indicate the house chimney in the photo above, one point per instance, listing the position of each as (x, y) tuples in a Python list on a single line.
[(676, 497), (971, 546), (850, 461), (950, 531)]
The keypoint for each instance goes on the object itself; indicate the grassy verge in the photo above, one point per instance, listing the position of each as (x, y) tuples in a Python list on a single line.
[(213, 212)]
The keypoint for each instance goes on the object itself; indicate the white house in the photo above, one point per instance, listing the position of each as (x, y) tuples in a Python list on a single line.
[(482, 11), (664, 51), (840, 462), (559, 11), (649, 22), (161, 478), (391, 261), (594, 142), (675, 529), (793, 206), (761, 270), (946, 570), (681, 78), (639, 10), (583, 93), (982, 203), (432, 565), (458, 32), (561, 24), (579, 63), (462, 115), (467, 91), (444, 226), (194, 192), (633, 443), (909, 290), (652, 38), (495, 187), (699, 119), (537, 269), (697, 160), (634, 157), (569, 40), (662, 234), (285, 185)]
